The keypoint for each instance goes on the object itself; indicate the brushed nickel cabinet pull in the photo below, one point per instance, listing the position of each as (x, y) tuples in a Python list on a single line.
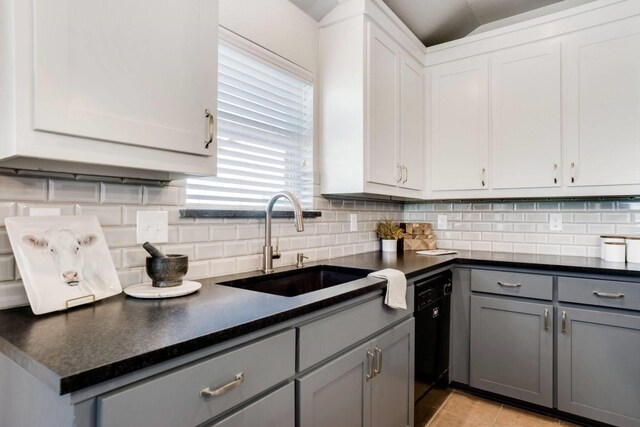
[(564, 323), (406, 174), (573, 172), (608, 294), (378, 359), (509, 285), (401, 174), (370, 371), (484, 173), (555, 173), (210, 118), (208, 392), (546, 319)]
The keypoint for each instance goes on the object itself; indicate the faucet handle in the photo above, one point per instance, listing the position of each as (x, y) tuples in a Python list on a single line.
[(276, 253)]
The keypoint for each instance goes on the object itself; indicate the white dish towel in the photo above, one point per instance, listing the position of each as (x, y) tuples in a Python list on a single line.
[(396, 287)]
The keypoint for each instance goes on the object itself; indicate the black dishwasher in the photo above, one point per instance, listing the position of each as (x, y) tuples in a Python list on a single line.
[(432, 302)]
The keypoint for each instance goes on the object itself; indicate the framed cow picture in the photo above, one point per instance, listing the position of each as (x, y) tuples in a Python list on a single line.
[(64, 261)]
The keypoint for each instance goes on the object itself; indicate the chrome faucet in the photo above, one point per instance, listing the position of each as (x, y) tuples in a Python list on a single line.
[(267, 250)]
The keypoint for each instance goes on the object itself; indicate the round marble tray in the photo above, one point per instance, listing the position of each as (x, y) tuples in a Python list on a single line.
[(145, 290)]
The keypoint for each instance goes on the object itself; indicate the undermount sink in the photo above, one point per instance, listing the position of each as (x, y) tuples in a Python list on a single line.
[(301, 281)]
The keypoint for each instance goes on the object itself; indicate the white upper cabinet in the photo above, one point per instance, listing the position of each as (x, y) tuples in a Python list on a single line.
[(526, 143), (384, 95), (459, 125), (603, 105), (371, 103), (552, 104), (113, 88), (412, 142)]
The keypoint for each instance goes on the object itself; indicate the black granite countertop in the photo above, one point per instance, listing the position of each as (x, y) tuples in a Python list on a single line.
[(90, 344)]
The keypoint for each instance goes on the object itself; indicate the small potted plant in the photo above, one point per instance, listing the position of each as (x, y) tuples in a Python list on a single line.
[(390, 233)]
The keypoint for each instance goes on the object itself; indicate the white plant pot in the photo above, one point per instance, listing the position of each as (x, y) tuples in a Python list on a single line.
[(389, 245)]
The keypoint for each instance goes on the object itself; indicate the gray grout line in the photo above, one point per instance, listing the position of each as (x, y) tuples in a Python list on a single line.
[(495, 420), (439, 408)]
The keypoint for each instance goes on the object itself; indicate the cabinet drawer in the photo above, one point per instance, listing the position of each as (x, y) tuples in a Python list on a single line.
[(173, 400), (610, 293), (324, 337), (512, 284), (277, 409)]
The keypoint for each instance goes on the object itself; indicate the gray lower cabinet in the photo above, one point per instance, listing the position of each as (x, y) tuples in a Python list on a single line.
[(598, 365), (460, 324), (371, 385), (277, 409), (512, 348), (179, 398)]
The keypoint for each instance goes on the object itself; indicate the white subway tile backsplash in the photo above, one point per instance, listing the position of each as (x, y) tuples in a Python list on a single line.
[(74, 191), (221, 267), (14, 188), (586, 217), (134, 257), (616, 217), (166, 195), (235, 248), (482, 226), (198, 270), (573, 250), (130, 277), (107, 215), (7, 210), (222, 232), (209, 251), (193, 233), (7, 268), (120, 193), (12, 294), (118, 237), (24, 209)]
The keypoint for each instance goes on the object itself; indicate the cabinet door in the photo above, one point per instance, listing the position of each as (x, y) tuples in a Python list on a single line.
[(392, 387), (411, 123), (383, 100), (603, 105), (337, 394), (140, 73), (598, 367), (459, 135), (512, 348), (277, 409), (526, 117)]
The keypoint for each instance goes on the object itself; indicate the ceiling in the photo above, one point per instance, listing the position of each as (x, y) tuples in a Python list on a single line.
[(439, 21)]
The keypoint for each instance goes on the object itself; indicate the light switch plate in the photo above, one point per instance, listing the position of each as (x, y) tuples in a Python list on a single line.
[(555, 222), (354, 222), (442, 222), (152, 226)]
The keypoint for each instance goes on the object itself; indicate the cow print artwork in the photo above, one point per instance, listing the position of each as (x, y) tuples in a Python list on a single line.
[(64, 261)]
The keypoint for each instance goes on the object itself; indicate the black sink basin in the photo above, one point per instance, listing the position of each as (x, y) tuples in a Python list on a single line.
[(301, 281)]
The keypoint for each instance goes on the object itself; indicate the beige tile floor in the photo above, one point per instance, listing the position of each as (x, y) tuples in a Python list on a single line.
[(453, 408)]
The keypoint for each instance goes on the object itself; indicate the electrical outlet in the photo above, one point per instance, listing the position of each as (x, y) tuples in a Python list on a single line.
[(555, 222), (152, 226), (442, 222), (354, 222)]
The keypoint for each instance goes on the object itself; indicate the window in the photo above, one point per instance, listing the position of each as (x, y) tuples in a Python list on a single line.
[(265, 132)]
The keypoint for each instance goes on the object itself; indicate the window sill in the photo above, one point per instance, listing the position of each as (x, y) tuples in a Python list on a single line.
[(221, 213)]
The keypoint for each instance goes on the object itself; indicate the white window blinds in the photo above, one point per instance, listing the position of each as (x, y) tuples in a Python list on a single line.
[(265, 135)]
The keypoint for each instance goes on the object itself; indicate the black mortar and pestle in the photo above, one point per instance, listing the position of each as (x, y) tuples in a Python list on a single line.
[(165, 270)]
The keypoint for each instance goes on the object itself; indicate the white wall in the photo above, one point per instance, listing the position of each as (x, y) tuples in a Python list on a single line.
[(277, 25)]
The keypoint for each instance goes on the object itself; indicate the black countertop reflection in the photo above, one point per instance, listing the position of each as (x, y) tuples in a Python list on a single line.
[(93, 343)]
